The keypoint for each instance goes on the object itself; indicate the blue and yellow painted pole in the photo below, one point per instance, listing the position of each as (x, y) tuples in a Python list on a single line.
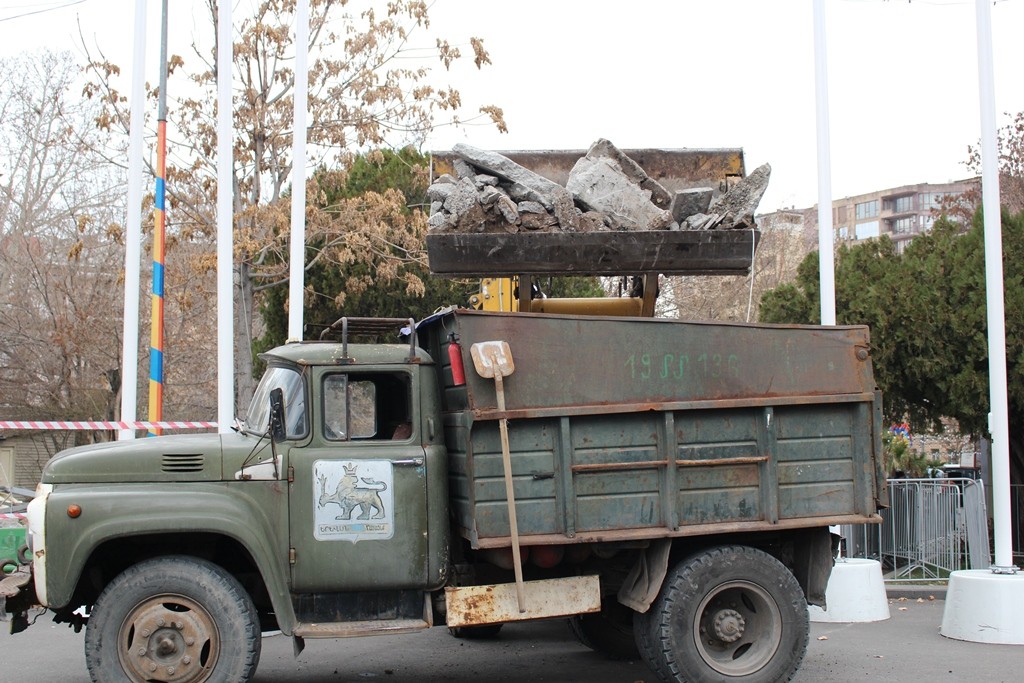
[(156, 344)]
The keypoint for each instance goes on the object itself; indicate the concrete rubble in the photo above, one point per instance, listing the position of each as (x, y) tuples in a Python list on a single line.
[(606, 191)]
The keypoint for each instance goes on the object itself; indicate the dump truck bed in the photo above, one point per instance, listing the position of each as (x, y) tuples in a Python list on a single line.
[(626, 428)]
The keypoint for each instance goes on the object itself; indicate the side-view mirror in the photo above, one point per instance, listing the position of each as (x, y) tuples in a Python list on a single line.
[(277, 431)]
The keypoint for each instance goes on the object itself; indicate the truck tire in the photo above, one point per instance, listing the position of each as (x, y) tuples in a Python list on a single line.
[(485, 632), (609, 631), (175, 618), (730, 613)]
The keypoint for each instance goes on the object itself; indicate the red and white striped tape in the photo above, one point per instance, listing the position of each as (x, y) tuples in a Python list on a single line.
[(98, 424), (13, 515)]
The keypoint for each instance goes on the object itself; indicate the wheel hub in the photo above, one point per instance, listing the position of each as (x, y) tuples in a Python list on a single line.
[(729, 625), (168, 642)]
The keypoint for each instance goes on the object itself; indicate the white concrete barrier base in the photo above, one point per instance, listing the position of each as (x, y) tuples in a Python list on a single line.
[(983, 607), (855, 593)]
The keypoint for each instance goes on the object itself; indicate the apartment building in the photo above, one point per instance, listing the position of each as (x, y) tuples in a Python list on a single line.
[(899, 212)]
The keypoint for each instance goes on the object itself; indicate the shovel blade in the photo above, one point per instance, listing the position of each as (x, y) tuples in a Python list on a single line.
[(492, 358)]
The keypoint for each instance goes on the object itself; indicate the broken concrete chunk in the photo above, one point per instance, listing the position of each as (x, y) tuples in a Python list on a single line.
[(489, 195), (438, 192), (702, 221), (463, 170), (521, 193), (599, 184), (531, 207), (508, 209), (439, 221), (605, 149), (690, 201), (737, 206), (606, 190), (565, 210), (551, 193), (461, 198), (504, 167)]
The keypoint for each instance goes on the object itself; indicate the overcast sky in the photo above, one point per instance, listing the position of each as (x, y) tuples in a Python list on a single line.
[(674, 74)]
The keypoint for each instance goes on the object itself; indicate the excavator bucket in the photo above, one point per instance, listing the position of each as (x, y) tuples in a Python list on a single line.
[(668, 252)]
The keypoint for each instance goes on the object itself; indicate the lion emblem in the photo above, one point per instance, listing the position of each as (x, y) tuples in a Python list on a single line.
[(354, 492)]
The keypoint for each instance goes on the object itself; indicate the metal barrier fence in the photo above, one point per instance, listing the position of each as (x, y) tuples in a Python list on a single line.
[(932, 527)]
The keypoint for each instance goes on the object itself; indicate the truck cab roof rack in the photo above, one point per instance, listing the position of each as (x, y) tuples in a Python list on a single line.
[(372, 327)]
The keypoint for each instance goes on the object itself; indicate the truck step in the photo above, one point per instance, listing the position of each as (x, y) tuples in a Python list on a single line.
[(351, 629)]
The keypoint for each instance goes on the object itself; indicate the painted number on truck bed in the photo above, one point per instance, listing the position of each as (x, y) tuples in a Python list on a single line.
[(682, 366)]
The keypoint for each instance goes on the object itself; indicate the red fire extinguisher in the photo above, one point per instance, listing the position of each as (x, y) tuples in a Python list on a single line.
[(455, 358)]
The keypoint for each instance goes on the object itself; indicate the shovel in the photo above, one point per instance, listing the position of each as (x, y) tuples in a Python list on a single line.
[(494, 359)]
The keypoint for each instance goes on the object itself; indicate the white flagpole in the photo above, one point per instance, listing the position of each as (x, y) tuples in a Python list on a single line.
[(133, 236), (225, 223), (298, 237)]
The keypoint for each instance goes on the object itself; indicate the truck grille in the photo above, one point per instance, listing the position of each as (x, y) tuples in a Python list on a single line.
[(182, 462)]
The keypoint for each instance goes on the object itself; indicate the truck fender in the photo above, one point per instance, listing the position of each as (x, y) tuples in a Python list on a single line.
[(132, 514), (643, 583)]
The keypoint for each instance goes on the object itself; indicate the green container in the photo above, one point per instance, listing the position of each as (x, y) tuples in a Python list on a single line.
[(10, 540)]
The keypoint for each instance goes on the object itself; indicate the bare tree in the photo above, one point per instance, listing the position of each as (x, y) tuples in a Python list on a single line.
[(1010, 144), (59, 266), (737, 298), (370, 86)]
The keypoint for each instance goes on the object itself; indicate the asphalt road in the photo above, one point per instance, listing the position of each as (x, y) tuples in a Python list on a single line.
[(905, 648)]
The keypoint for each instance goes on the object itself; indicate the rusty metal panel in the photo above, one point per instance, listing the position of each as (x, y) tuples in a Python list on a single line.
[(631, 428), (815, 446), (496, 603), (532, 444), (728, 488), (572, 363)]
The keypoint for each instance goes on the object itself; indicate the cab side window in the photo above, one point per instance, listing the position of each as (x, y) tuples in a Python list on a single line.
[(367, 406)]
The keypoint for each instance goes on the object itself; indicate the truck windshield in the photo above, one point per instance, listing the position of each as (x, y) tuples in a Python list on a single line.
[(290, 382)]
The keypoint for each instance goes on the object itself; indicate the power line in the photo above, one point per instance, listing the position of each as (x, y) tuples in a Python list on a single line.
[(41, 11)]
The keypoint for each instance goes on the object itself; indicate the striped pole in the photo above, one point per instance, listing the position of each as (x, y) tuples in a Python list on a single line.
[(156, 345), (100, 425)]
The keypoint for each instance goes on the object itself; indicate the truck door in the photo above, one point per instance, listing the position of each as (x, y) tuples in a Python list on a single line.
[(358, 499)]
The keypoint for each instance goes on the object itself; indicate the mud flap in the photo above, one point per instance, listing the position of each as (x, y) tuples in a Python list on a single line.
[(814, 554), (643, 583)]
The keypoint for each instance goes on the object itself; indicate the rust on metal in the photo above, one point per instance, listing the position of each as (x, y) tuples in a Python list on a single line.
[(717, 462), (497, 603), (618, 535), (613, 466)]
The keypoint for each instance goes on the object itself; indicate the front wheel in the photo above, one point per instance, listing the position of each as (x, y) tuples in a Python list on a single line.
[(176, 620), (733, 613)]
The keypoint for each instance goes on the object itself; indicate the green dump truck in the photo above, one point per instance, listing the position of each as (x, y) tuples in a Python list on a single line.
[(665, 486)]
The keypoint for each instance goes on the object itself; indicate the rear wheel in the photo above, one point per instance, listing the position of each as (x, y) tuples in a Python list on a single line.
[(731, 613), (484, 632), (609, 631), (173, 619)]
